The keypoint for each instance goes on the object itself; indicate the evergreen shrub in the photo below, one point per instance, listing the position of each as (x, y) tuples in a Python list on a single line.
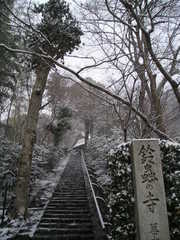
[(43, 162)]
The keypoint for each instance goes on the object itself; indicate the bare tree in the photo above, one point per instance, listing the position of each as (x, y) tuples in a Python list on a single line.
[(124, 42)]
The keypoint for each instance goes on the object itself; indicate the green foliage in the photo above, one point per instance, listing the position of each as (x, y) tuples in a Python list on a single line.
[(7, 65), (9, 154), (171, 171), (96, 152), (52, 157), (64, 112), (60, 30), (121, 195), (60, 130), (62, 124)]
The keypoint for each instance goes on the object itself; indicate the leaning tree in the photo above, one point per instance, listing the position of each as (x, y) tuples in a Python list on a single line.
[(56, 34)]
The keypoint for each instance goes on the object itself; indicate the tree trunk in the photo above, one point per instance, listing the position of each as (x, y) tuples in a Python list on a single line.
[(156, 108), (167, 76), (154, 97), (87, 130), (8, 116), (24, 165)]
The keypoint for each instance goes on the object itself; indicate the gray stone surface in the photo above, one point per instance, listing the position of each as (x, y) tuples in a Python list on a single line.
[(151, 212)]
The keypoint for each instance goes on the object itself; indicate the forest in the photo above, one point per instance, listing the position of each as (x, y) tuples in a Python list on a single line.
[(107, 72)]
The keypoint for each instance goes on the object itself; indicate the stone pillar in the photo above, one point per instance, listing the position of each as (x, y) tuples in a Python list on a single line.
[(151, 211)]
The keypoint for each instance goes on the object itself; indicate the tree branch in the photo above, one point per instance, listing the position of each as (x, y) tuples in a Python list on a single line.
[(53, 61)]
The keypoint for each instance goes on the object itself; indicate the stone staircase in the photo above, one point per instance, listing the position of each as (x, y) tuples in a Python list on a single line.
[(68, 215)]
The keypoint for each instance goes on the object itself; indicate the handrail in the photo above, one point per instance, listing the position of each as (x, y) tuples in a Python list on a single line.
[(93, 193)]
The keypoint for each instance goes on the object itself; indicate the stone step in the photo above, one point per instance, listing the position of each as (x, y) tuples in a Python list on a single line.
[(58, 195), (65, 237), (68, 199), (68, 193), (69, 182), (67, 215), (74, 195), (65, 220), (72, 187), (71, 201), (63, 231), (68, 207), (66, 225), (65, 204), (67, 211)]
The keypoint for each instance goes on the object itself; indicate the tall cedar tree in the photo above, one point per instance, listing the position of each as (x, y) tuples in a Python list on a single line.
[(60, 34), (6, 58)]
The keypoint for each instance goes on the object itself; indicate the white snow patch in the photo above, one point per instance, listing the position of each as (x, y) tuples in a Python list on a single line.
[(35, 214), (79, 143)]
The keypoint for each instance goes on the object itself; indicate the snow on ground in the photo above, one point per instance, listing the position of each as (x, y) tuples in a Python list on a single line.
[(79, 143), (43, 192)]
